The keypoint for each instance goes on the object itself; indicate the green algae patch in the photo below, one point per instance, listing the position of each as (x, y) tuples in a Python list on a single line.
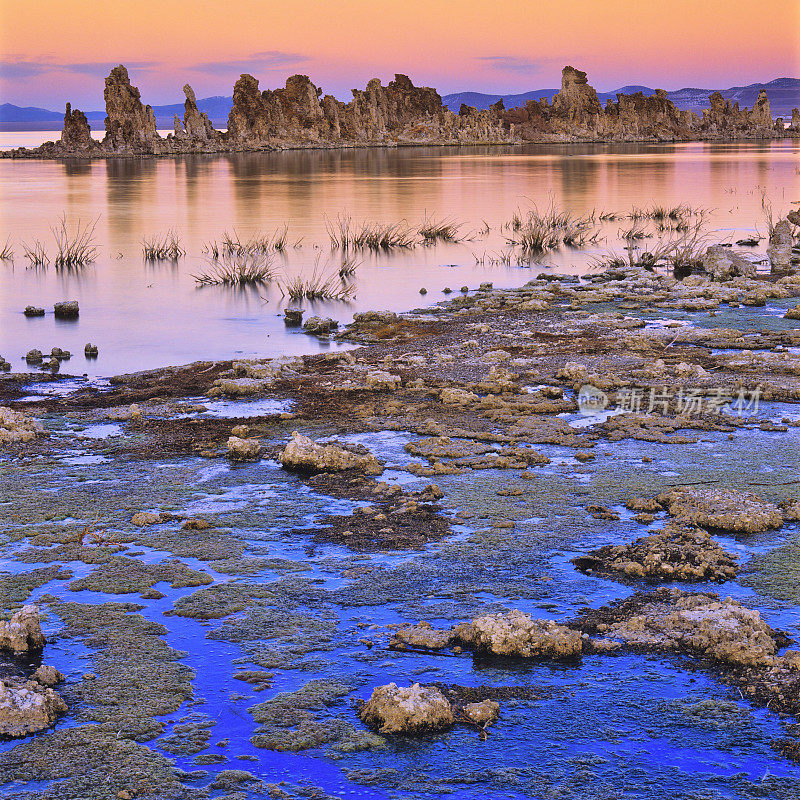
[(121, 575), (291, 721), (91, 763), (138, 676), (15, 589), (776, 573), (191, 735), (218, 601), (209, 544)]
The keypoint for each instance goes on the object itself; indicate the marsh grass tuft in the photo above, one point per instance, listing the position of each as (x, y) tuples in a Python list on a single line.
[(324, 283), (250, 269), (347, 234), (7, 251), (232, 244), (74, 249), (538, 232), (163, 247), (446, 230), (36, 254)]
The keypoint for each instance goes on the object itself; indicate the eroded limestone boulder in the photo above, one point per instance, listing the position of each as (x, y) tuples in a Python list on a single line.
[(780, 247), (23, 632), (243, 449), (130, 125), (516, 633), (27, 707), (722, 509), (18, 427), (722, 264), (409, 710), (303, 454)]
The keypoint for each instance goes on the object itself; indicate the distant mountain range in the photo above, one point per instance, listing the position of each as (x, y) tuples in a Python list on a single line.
[(784, 95)]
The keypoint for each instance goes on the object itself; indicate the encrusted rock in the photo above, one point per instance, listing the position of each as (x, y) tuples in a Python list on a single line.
[(33, 311), (27, 707), (22, 632), (77, 135), (675, 553), (381, 381), (68, 309), (303, 454), (722, 264), (144, 518), (484, 713), (408, 710), (319, 326), (423, 634), (780, 246), (722, 509), (47, 675), (699, 623), (515, 633), (243, 449), (130, 125), (18, 427)]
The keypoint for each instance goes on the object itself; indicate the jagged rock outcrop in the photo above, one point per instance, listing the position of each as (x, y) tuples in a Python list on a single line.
[(77, 135), (297, 115), (794, 125), (723, 264), (195, 125), (130, 125)]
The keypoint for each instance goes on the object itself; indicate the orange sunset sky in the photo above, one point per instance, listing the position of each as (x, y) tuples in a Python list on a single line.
[(58, 51)]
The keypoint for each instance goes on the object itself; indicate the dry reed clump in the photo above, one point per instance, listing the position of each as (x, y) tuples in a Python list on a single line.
[(682, 254), (538, 232), (36, 254), (347, 234), (324, 283), (163, 247), (74, 249), (7, 251), (232, 244), (432, 230), (248, 269)]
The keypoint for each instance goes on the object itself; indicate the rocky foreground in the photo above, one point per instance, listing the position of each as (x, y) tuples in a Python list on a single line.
[(398, 114), (337, 625)]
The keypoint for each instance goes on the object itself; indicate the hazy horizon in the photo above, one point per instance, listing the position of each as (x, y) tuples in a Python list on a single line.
[(53, 53)]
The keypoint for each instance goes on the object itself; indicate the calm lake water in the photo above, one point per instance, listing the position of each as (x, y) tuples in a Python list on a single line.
[(144, 315)]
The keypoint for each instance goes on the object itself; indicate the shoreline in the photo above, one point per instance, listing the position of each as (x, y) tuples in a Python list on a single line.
[(33, 155)]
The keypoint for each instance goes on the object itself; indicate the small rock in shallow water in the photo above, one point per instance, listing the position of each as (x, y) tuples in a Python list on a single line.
[(143, 518), (90, 350), (27, 707), (47, 675), (34, 356), (484, 713), (22, 632), (408, 710), (68, 309), (243, 449), (517, 634), (305, 455), (33, 311)]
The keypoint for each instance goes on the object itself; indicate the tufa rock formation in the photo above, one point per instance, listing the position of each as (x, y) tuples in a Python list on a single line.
[(130, 125), (298, 115), (77, 135)]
